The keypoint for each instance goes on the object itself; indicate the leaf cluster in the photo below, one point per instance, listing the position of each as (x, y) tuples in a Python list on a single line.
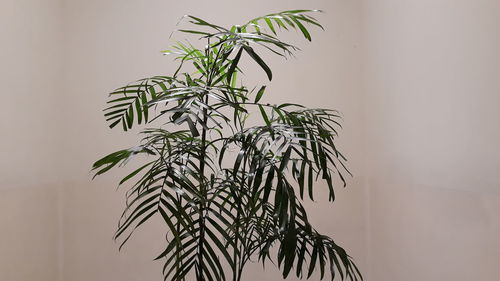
[(222, 215)]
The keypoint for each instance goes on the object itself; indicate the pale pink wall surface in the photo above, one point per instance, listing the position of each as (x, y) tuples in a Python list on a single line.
[(30, 71), (431, 96), (30, 129)]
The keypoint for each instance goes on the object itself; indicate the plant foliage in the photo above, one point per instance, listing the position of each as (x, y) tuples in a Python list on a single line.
[(222, 208)]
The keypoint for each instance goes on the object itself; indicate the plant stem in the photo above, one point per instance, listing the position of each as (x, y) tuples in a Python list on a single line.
[(203, 190), (235, 252), (239, 265), (203, 187)]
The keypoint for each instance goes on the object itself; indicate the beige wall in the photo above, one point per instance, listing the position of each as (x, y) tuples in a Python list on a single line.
[(417, 82), (30, 70), (431, 97), (30, 128)]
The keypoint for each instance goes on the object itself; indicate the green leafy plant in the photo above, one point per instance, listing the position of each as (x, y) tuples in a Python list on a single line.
[(221, 208)]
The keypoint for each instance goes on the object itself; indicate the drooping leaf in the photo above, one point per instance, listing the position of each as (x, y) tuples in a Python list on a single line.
[(259, 60)]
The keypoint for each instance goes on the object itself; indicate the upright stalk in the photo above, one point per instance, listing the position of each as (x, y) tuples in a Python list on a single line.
[(203, 190), (203, 187), (238, 262)]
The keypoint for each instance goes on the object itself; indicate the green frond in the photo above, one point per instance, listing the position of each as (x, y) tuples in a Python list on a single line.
[(132, 100), (286, 19)]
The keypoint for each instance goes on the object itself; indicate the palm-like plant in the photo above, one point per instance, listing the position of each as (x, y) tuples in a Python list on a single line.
[(224, 208)]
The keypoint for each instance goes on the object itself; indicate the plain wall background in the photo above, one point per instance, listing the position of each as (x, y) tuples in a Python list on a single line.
[(416, 81), (31, 129), (431, 103)]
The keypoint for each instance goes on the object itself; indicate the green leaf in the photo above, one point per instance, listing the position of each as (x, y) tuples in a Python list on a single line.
[(285, 159), (302, 28), (264, 115), (259, 60), (310, 182), (138, 108), (199, 21), (192, 127), (259, 94), (234, 63), (289, 245), (270, 25), (300, 259), (194, 32), (312, 263), (131, 175), (268, 184)]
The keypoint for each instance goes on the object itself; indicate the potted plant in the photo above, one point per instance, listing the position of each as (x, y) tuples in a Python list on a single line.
[(222, 208)]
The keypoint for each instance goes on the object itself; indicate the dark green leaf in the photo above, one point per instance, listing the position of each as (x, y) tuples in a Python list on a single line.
[(234, 63), (259, 60), (259, 94), (264, 115)]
